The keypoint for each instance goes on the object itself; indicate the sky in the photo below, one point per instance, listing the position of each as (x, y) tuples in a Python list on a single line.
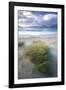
[(37, 19)]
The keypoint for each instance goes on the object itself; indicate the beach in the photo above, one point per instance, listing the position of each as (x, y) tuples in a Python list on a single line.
[(26, 68)]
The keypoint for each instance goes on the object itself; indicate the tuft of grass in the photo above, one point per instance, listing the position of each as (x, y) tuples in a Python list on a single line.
[(39, 55)]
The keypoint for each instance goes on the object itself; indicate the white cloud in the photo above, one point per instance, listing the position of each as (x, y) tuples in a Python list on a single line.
[(29, 20), (27, 13), (24, 25), (21, 20), (49, 17)]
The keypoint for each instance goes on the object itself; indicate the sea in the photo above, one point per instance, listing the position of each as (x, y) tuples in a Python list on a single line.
[(46, 32)]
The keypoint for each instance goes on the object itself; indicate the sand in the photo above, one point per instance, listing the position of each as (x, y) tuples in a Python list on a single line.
[(25, 67)]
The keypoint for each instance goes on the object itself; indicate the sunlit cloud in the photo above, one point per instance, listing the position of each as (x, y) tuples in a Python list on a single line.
[(49, 16)]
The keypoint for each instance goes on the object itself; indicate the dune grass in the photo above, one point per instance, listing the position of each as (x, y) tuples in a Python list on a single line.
[(39, 55)]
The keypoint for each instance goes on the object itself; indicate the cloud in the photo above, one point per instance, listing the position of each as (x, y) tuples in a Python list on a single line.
[(49, 17), (33, 19), (27, 14)]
